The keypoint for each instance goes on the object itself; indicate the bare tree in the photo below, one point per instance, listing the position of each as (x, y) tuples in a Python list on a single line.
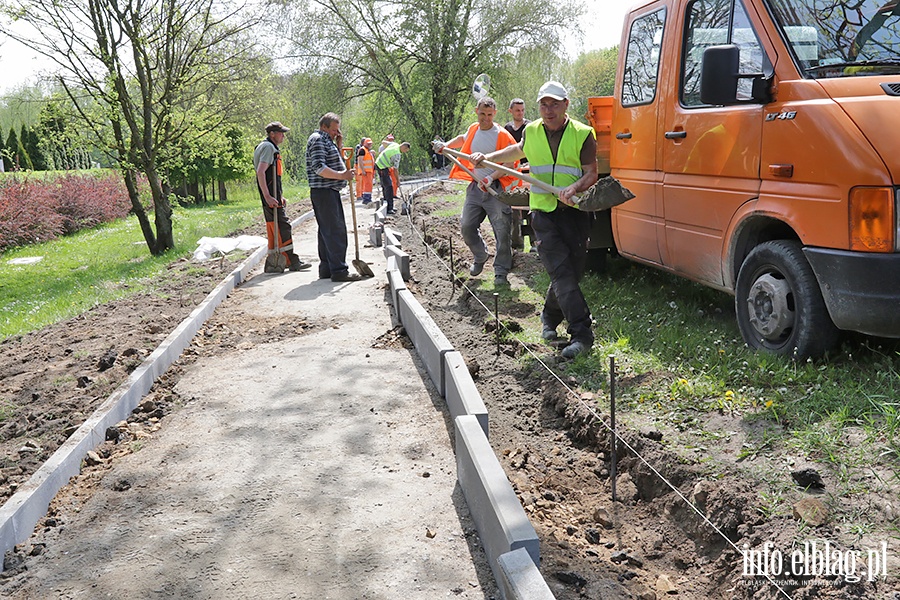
[(424, 54), (139, 71)]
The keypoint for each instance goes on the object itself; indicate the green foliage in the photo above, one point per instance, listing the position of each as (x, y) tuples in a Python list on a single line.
[(594, 75), (60, 140), (423, 55), (36, 160), (14, 151), (311, 95)]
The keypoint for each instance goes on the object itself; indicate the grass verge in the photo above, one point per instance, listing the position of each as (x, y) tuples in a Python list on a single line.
[(110, 261)]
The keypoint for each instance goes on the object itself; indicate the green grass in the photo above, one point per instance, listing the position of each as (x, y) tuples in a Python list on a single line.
[(109, 261), (680, 358)]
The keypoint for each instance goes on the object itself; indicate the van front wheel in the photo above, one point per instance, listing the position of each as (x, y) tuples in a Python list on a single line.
[(779, 305)]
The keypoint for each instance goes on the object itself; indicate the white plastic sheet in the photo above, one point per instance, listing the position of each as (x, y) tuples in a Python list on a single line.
[(208, 247)]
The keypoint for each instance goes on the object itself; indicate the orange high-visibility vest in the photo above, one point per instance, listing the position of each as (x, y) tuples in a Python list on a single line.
[(504, 139)]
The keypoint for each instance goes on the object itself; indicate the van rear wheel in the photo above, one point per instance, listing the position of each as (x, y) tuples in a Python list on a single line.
[(779, 306)]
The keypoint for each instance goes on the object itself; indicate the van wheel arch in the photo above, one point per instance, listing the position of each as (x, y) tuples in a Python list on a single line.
[(779, 305), (752, 232)]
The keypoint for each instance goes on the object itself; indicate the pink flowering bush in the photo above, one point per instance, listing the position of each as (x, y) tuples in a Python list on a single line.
[(37, 210)]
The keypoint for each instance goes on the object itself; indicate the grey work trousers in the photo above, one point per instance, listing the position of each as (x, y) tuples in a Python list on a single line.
[(479, 205), (561, 238)]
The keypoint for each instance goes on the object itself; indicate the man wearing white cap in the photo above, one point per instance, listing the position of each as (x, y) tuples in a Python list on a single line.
[(562, 152)]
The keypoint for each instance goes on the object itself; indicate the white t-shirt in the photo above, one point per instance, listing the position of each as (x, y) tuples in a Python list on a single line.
[(485, 142)]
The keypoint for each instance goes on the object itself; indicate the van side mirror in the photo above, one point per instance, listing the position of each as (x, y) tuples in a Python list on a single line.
[(720, 73)]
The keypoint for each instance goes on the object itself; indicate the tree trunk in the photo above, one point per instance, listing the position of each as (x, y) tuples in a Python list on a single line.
[(165, 240), (223, 192), (134, 196)]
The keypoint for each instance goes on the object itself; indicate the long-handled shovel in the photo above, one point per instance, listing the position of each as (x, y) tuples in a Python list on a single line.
[(490, 190), (361, 267), (606, 193), (276, 261)]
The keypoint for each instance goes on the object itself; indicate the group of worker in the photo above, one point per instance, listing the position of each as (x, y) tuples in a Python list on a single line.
[(386, 163), (560, 152)]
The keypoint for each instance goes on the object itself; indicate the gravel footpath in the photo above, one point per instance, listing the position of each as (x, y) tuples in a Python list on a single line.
[(316, 466)]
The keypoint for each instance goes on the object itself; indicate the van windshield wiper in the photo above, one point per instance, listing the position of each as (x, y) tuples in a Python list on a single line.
[(875, 62)]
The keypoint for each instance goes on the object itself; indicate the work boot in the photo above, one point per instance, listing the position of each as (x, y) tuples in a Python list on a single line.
[(549, 333), (476, 269), (575, 348), (348, 276), (500, 281), (298, 265)]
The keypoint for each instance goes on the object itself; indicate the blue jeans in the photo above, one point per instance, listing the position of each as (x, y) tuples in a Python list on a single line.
[(332, 237), (561, 238)]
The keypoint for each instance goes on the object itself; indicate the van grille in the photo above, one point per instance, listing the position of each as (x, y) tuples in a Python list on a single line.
[(892, 89)]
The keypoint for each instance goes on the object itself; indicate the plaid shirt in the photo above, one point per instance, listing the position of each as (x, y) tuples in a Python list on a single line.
[(320, 153)]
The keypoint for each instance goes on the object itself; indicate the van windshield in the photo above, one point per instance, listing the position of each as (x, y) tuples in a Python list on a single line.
[(841, 38)]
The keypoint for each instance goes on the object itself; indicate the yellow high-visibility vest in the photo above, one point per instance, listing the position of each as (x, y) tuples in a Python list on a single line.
[(567, 168)]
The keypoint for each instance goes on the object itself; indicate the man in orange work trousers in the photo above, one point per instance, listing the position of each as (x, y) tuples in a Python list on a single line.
[(268, 166), (365, 171)]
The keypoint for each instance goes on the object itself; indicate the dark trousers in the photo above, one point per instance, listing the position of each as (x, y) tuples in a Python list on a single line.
[(387, 187), (332, 237), (561, 238)]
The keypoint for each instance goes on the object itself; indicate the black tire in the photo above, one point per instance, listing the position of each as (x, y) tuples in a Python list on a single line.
[(779, 305)]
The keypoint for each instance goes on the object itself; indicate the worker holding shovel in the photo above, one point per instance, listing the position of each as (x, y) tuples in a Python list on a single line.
[(562, 153), (327, 175), (387, 163), (268, 166), (481, 196)]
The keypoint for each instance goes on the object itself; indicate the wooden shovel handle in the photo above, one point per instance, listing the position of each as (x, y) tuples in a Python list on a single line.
[(506, 170), (490, 190)]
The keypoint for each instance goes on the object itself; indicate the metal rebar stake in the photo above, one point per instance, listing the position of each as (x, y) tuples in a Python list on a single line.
[(497, 320), (452, 268), (613, 455)]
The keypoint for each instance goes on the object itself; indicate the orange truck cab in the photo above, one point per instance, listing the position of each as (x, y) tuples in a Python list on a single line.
[(762, 141)]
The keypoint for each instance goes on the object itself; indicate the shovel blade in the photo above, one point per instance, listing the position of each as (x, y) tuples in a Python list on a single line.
[(275, 263), (604, 194), (363, 268)]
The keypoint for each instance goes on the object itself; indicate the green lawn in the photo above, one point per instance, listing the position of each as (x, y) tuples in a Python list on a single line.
[(109, 261)]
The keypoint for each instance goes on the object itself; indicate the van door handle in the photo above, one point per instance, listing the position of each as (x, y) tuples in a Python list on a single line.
[(623, 136), (676, 135)]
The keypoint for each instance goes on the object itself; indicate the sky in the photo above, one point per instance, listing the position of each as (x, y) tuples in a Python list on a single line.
[(602, 26)]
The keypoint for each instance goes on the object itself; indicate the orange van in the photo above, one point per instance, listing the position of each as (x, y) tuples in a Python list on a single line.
[(762, 141)]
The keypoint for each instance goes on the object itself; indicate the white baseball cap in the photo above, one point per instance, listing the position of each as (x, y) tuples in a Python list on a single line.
[(553, 89)]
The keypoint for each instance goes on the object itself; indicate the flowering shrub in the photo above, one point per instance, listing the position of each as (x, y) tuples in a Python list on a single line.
[(33, 210)]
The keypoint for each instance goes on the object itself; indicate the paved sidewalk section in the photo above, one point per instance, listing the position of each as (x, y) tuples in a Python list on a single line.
[(317, 466)]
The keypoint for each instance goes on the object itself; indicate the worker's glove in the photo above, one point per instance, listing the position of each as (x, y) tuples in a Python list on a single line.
[(485, 183), (438, 147)]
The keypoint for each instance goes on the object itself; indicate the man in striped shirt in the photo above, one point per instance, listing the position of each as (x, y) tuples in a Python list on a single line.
[(327, 175)]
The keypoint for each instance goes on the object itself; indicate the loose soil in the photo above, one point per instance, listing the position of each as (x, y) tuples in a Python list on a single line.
[(649, 544)]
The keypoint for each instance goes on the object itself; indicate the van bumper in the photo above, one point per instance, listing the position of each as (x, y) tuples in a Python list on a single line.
[(861, 290)]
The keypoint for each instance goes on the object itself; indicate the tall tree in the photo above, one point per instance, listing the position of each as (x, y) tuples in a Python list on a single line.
[(14, 150), (594, 75), (424, 54), (30, 143), (147, 67)]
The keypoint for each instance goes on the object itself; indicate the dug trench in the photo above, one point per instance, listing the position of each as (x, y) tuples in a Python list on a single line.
[(649, 544), (552, 438)]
